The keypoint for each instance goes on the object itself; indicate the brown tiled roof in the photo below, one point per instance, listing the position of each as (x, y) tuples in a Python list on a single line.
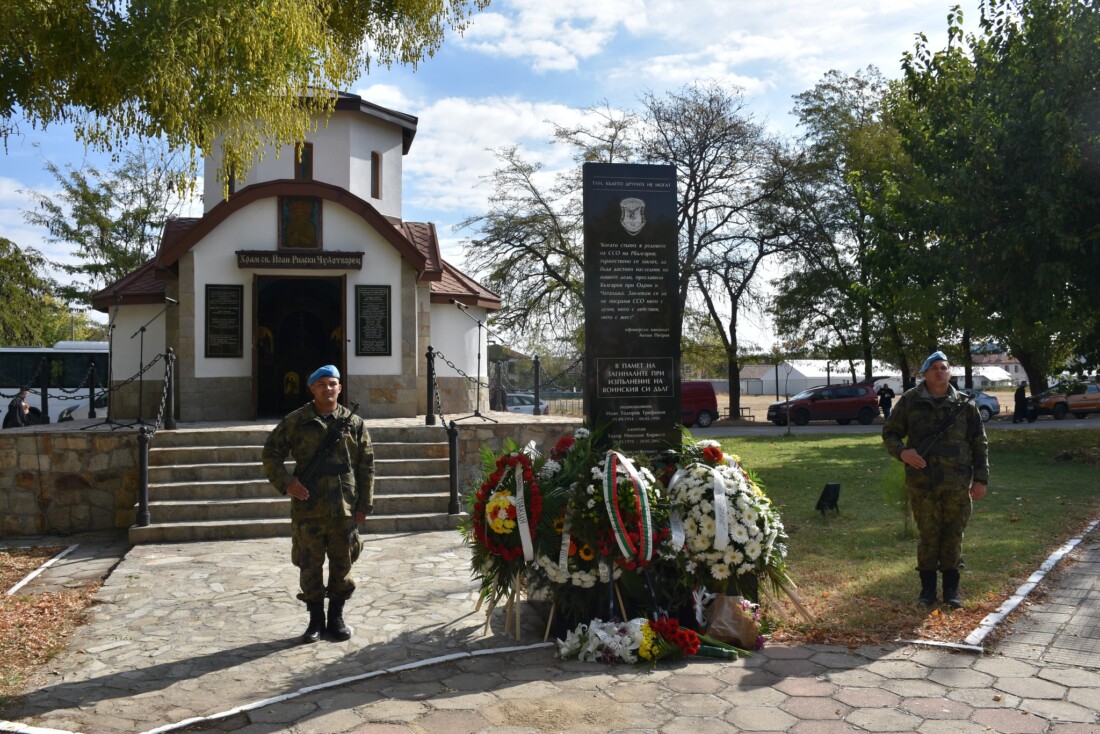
[(423, 237), (454, 285), (138, 287)]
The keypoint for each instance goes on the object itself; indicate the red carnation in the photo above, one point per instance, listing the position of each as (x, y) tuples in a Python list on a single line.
[(713, 455)]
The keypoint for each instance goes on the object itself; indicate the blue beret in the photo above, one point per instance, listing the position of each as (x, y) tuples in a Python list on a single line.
[(329, 370), (933, 357)]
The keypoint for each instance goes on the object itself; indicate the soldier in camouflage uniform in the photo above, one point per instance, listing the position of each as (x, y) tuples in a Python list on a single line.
[(326, 516), (942, 484)]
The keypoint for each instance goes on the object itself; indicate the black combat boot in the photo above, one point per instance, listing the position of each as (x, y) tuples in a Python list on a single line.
[(951, 588), (928, 588), (316, 621), (336, 627)]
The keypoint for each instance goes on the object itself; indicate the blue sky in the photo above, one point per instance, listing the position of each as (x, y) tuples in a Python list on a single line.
[(523, 64)]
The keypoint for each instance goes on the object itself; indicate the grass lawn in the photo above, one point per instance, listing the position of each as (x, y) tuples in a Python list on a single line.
[(856, 570)]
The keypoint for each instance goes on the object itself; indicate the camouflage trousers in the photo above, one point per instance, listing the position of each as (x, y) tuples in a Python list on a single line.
[(314, 539), (941, 514)]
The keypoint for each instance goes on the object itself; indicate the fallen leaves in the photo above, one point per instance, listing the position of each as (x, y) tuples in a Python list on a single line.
[(33, 627)]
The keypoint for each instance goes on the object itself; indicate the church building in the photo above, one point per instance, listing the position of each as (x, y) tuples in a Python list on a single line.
[(307, 262)]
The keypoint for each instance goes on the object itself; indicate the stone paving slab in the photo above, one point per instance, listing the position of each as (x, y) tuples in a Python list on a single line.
[(210, 630)]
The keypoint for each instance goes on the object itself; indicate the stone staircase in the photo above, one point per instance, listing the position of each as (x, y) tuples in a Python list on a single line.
[(208, 484)]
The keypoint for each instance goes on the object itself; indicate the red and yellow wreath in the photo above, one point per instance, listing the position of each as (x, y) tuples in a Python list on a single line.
[(507, 509)]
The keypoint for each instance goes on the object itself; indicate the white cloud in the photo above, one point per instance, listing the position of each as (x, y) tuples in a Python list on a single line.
[(454, 142), (551, 36)]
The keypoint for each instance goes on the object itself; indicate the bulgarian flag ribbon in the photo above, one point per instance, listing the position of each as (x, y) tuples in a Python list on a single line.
[(644, 524)]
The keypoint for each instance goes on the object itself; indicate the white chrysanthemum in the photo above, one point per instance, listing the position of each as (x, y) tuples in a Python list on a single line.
[(581, 433), (550, 469), (753, 549), (691, 526), (719, 571), (707, 526), (733, 556), (739, 534), (698, 543), (745, 569), (750, 515)]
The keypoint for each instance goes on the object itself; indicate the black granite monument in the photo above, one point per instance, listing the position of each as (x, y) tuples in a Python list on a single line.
[(632, 314)]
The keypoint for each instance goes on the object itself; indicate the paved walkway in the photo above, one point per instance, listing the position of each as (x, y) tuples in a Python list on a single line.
[(209, 630)]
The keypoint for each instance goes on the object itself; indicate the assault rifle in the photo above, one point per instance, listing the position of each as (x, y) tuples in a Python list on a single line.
[(941, 428), (335, 430)]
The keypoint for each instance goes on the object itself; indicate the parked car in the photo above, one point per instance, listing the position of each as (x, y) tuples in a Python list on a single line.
[(842, 403), (1063, 398), (79, 411), (517, 402), (988, 405), (698, 403)]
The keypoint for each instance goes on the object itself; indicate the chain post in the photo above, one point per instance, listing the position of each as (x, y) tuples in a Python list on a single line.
[(91, 388), (44, 376), (170, 398), (538, 385), (143, 518), (429, 419), (452, 464)]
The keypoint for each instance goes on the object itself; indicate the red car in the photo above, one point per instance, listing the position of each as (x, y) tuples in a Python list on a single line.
[(840, 403)]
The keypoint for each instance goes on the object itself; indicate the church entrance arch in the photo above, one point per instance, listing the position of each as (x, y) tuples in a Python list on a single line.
[(299, 325)]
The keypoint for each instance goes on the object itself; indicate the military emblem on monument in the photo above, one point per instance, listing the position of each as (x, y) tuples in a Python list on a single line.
[(632, 215)]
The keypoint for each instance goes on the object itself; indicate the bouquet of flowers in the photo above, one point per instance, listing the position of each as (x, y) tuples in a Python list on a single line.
[(504, 514), (726, 525), (639, 640)]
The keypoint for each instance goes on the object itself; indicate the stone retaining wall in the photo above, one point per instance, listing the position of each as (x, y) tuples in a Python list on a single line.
[(62, 482), (475, 434)]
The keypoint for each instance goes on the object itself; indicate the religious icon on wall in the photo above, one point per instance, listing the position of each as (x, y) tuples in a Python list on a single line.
[(299, 222)]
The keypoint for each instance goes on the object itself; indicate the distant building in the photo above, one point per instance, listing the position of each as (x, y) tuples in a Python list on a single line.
[(1010, 365)]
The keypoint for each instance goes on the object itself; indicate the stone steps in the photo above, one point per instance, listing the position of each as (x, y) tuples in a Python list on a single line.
[(208, 484)]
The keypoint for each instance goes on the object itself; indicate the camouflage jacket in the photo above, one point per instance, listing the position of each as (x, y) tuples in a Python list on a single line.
[(958, 458), (344, 484)]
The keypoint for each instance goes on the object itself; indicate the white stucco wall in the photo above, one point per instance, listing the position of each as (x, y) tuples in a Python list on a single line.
[(341, 157), (456, 336), (254, 228), (126, 347)]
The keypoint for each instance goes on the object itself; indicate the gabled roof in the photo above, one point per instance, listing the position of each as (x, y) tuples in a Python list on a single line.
[(456, 286), (183, 234), (136, 288), (756, 371)]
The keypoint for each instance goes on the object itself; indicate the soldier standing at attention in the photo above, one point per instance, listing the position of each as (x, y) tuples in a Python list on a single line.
[(946, 458), (325, 516)]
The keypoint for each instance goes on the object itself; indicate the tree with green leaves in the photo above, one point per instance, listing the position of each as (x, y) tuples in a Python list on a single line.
[(190, 72), (1003, 125), (847, 291), (111, 219), (28, 295)]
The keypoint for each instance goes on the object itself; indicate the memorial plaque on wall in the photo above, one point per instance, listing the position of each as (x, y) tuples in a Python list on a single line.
[(225, 321), (372, 328), (632, 316)]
